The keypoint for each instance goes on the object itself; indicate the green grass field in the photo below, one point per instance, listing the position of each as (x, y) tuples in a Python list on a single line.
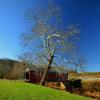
[(15, 90)]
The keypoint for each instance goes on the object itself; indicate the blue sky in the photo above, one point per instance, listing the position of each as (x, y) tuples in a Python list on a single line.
[(84, 12)]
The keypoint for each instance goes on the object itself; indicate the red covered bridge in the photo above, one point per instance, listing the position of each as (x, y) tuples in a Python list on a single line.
[(53, 76)]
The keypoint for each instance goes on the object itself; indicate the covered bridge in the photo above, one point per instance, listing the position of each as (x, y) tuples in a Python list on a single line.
[(53, 79)]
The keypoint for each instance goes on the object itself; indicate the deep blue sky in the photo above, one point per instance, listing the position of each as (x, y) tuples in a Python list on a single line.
[(84, 12)]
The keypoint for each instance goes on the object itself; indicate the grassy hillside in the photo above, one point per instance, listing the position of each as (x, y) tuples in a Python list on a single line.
[(12, 90)]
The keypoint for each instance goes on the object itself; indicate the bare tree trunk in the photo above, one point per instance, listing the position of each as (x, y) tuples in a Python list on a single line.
[(47, 69), (3, 71)]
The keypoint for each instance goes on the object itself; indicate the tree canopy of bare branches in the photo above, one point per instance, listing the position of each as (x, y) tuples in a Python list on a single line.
[(50, 38)]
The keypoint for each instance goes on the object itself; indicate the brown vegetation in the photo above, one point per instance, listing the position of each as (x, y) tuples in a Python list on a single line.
[(11, 69)]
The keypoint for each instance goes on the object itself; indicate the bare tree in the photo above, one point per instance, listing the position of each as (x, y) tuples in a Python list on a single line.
[(5, 66), (81, 62), (49, 37), (18, 70), (27, 57)]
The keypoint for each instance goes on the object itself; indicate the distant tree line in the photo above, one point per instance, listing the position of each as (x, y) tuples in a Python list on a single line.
[(11, 69)]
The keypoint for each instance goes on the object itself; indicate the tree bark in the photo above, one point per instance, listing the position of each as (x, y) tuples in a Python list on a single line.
[(47, 69), (3, 71)]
